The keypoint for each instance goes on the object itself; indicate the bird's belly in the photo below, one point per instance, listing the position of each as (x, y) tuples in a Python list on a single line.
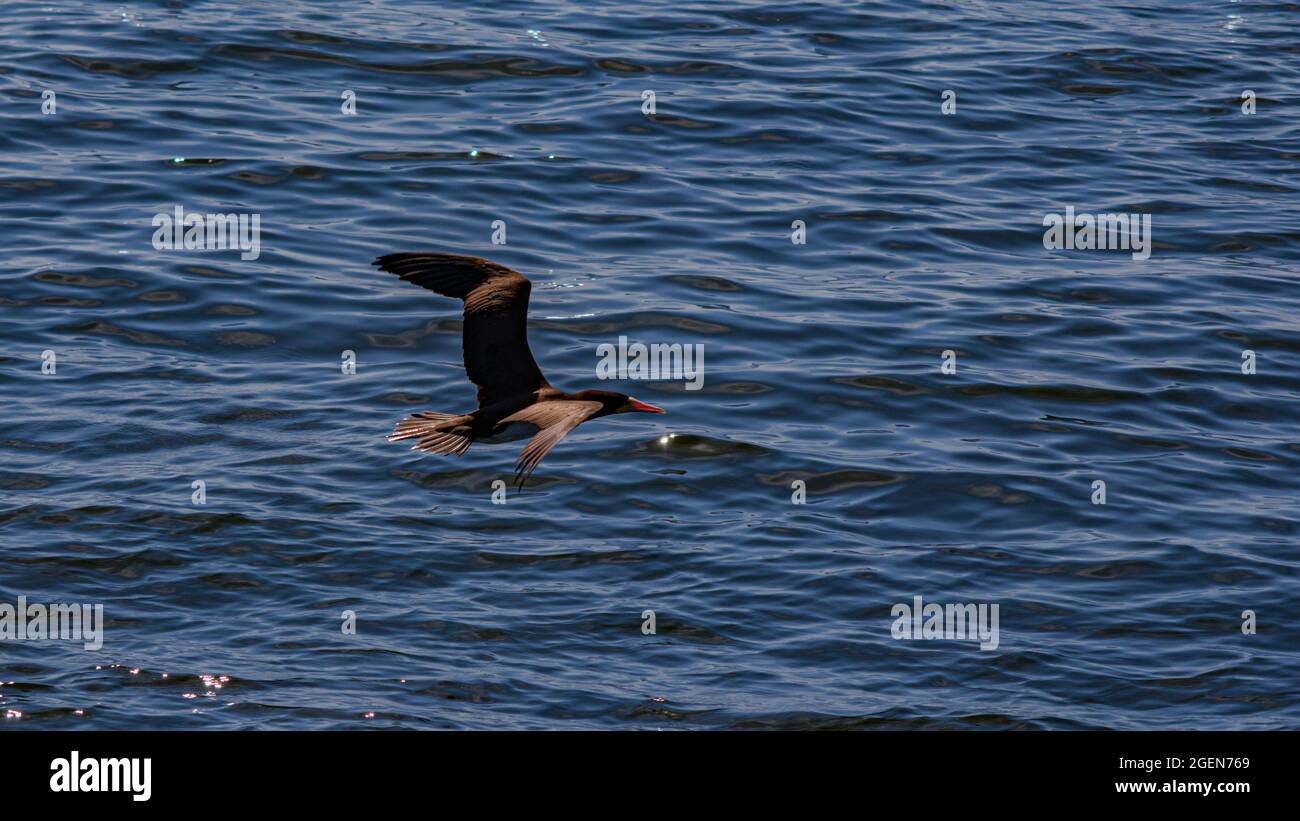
[(511, 432)]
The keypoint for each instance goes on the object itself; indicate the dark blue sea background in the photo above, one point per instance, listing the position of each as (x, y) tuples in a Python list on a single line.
[(822, 364)]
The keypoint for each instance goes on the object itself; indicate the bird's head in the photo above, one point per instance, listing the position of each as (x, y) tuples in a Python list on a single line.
[(619, 403)]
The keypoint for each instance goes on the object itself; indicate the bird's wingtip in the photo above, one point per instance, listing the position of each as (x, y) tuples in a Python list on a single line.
[(397, 256)]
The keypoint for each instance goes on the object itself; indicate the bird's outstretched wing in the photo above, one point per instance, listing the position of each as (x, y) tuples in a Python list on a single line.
[(554, 419), (495, 338)]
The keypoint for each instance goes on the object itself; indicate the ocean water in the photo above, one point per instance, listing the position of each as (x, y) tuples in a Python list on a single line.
[(823, 364)]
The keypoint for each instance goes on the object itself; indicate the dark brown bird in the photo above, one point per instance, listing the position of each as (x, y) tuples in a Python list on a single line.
[(514, 399)]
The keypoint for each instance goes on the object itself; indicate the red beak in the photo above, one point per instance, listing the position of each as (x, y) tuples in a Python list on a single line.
[(632, 404)]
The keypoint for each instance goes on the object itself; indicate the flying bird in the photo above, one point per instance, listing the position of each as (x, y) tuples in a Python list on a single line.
[(514, 399)]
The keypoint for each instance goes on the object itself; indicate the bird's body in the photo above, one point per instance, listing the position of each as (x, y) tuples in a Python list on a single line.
[(514, 399)]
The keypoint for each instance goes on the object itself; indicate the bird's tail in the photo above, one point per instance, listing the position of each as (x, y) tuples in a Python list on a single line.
[(428, 429)]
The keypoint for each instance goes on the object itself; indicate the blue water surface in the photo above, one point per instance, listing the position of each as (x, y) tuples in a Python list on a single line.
[(924, 235)]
